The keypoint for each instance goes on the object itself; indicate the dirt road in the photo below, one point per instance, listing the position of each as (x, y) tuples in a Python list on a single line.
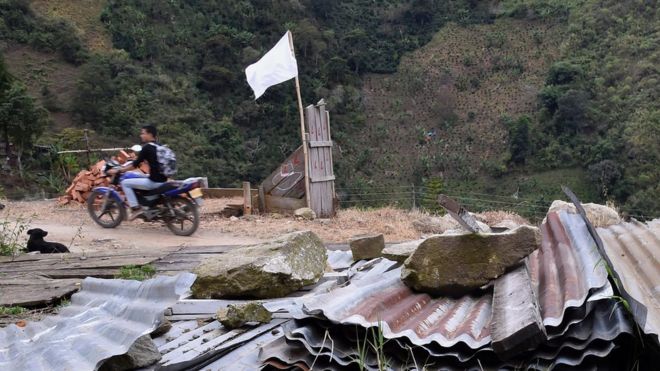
[(71, 222), (72, 226)]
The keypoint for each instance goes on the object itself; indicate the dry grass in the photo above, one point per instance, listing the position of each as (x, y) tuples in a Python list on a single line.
[(395, 224)]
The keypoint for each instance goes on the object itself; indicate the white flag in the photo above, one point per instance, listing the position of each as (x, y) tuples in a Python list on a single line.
[(278, 65)]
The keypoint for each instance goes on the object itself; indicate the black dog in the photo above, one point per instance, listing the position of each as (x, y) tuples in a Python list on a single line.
[(37, 243)]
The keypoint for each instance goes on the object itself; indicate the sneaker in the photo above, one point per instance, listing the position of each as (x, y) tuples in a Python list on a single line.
[(136, 212)]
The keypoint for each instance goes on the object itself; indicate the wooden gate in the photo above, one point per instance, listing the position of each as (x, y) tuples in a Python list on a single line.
[(284, 189), (321, 174)]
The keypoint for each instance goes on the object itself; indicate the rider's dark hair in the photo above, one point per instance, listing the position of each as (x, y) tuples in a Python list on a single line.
[(151, 130)]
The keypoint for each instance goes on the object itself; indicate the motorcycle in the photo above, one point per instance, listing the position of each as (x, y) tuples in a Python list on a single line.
[(176, 203)]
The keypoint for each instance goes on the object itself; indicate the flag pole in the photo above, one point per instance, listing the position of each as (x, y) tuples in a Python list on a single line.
[(302, 129)]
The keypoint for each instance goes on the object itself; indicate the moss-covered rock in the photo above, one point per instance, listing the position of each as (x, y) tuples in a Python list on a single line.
[(458, 264), (367, 246), (268, 270), (401, 251), (235, 316)]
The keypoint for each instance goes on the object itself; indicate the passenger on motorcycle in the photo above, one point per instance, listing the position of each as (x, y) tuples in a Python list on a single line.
[(148, 136)]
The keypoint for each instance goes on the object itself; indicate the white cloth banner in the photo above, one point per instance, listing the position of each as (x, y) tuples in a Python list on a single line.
[(278, 65)]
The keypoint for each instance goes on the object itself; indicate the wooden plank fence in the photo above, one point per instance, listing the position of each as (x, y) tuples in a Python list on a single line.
[(321, 173)]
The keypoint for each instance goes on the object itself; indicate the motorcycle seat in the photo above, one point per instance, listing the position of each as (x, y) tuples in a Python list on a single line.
[(160, 190)]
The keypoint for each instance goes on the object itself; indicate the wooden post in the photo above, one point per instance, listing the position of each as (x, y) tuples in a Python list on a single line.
[(89, 160), (414, 206), (302, 128), (262, 199), (247, 199)]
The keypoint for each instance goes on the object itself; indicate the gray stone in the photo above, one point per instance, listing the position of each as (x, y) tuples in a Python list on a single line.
[(267, 270), (401, 251), (142, 353), (235, 316), (458, 264), (305, 213), (598, 215), (428, 224), (505, 224), (163, 328), (367, 246)]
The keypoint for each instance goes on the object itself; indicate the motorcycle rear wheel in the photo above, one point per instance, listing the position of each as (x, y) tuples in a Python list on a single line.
[(185, 220), (114, 210)]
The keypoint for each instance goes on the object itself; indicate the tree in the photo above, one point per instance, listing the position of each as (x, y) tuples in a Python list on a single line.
[(571, 115), (21, 120), (519, 143)]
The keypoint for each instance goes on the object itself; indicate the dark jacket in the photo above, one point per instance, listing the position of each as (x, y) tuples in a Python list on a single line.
[(150, 154)]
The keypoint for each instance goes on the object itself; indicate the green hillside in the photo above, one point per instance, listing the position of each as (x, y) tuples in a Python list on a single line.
[(487, 98)]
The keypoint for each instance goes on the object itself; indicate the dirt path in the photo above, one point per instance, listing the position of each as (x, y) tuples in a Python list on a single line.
[(71, 223), (66, 222)]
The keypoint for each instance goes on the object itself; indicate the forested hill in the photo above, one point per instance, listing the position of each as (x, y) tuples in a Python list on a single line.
[(472, 97)]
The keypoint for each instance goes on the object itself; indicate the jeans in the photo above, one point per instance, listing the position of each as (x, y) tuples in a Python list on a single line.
[(128, 185)]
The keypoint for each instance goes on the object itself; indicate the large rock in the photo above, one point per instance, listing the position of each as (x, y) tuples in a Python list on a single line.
[(598, 215), (367, 246), (458, 264), (304, 213), (268, 270), (142, 353), (235, 316), (434, 224), (401, 251)]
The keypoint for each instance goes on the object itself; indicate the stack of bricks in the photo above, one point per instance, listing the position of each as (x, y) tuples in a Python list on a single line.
[(83, 184)]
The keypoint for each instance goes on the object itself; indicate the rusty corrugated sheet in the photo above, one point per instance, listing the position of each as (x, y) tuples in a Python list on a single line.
[(585, 345), (103, 320), (634, 250), (379, 297), (566, 267), (564, 271)]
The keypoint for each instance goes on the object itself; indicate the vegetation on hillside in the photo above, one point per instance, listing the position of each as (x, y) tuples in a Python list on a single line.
[(599, 108), (590, 67)]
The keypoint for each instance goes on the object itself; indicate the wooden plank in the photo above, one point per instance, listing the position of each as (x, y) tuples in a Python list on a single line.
[(224, 192), (203, 250), (29, 291), (115, 262), (287, 175), (322, 178), (297, 191), (247, 199), (327, 166), (283, 203), (332, 169), (320, 143), (262, 200), (311, 114)]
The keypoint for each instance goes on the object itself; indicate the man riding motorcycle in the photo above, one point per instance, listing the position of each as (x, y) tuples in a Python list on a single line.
[(148, 137)]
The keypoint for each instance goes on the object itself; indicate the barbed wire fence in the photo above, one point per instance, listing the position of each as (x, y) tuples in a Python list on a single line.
[(419, 197)]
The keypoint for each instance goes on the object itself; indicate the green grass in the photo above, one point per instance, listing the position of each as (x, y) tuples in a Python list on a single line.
[(536, 191), (12, 310), (136, 272)]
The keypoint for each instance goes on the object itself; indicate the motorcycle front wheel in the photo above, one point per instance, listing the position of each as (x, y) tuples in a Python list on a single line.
[(105, 210), (184, 216)]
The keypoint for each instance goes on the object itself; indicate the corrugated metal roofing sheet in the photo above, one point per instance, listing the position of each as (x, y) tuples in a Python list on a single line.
[(328, 346), (634, 250), (104, 319), (566, 267), (564, 271), (379, 296)]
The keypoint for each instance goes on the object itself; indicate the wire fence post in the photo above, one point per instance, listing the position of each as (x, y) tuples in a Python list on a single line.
[(414, 206), (89, 160)]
